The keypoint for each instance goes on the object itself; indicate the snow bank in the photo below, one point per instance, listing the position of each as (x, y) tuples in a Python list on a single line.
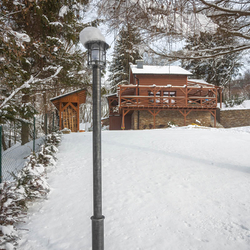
[(179, 188), (244, 105)]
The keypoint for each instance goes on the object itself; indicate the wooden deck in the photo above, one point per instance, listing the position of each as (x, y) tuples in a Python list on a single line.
[(183, 97), (155, 98)]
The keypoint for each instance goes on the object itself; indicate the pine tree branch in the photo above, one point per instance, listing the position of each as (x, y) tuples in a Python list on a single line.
[(9, 14), (27, 84)]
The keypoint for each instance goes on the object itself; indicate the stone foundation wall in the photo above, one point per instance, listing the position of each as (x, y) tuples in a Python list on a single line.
[(162, 120), (235, 118)]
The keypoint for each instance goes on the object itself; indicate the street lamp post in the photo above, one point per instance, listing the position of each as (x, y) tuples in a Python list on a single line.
[(95, 43)]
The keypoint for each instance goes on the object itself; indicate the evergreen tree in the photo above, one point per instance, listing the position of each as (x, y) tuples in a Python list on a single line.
[(39, 52), (215, 70), (126, 51)]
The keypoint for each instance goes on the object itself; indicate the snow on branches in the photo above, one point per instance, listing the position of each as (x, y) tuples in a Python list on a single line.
[(28, 83), (169, 21)]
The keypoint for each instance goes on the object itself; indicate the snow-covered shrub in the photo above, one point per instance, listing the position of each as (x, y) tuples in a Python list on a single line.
[(66, 131), (234, 101), (28, 185), (54, 139), (8, 237), (171, 124), (32, 179), (47, 155), (12, 210)]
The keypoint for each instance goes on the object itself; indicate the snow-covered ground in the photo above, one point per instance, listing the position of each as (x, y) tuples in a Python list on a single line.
[(15, 157), (179, 188), (244, 105)]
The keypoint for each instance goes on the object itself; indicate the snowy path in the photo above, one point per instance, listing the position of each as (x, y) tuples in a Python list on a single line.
[(162, 189)]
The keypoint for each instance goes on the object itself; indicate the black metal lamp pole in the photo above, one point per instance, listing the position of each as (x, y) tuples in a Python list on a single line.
[(97, 218), (92, 39)]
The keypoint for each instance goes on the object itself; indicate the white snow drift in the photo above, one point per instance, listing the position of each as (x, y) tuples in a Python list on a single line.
[(180, 188)]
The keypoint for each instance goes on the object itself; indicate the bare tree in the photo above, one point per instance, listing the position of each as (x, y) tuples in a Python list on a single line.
[(163, 22)]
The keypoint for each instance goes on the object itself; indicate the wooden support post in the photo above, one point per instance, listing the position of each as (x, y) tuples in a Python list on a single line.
[(213, 113), (123, 124), (123, 118), (215, 118), (185, 114), (186, 96), (220, 97), (60, 116), (154, 114), (78, 117)]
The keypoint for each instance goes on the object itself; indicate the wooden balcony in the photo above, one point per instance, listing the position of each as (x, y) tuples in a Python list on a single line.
[(154, 99), (167, 97)]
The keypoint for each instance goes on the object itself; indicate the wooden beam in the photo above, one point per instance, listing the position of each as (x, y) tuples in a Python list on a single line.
[(220, 97), (154, 114), (123, 118), (60, 116), (186, 96), (213, 113), (69, 104), (185, 114), (78, 117)]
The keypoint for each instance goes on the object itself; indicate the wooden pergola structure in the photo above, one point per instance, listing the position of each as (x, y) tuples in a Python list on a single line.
[(68, 106)]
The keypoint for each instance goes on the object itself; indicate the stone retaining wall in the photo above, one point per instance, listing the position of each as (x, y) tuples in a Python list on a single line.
[(235, 118), (162, 120)]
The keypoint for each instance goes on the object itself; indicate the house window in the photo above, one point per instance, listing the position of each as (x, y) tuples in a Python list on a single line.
[(150, 93), (169, 93), (157, 94)]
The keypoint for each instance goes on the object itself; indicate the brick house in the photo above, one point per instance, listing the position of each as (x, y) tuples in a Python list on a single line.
[(159, 95)]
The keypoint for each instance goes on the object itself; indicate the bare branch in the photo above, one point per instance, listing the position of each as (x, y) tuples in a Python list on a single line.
[(227, 10), (180, 55)]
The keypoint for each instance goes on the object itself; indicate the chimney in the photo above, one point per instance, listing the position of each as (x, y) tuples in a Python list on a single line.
[(139, 64)]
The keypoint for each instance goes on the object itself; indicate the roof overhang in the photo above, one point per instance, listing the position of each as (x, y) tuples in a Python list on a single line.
[(158, 70)]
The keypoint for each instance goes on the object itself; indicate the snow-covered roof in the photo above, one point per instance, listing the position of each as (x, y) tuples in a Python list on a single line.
[(160, 70), (199, 82), (69, 93)]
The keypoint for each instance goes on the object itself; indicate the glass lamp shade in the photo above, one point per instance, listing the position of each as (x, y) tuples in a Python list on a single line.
[(96, 53)]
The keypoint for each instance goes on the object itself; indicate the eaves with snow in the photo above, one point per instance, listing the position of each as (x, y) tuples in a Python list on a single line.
[(199, 82), (159, 70)]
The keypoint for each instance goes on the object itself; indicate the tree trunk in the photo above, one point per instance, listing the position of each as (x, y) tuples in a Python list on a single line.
[(3, 141), (25, 125), (45, 105)]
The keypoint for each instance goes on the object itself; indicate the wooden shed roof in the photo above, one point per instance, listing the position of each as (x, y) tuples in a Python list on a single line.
[(69, 93), (78, 96)]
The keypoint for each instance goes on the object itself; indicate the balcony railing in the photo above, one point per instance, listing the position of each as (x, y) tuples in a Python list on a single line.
[(134, 96)]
